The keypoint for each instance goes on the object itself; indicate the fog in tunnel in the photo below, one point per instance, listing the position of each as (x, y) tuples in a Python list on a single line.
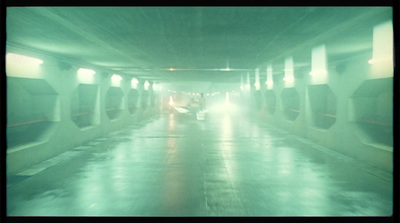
[(200, 111)]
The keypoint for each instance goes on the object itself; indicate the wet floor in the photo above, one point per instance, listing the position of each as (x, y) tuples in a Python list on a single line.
[(174, 165)]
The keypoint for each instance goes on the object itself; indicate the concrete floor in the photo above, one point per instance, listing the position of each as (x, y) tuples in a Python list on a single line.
[(175, 165)]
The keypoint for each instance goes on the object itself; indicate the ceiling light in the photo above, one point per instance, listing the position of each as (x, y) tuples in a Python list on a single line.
[(84, 71), (288, 78), (146, 85), (23, 59), (134, 83), (379, 60), (86, 75), (318, 72), (116, 77), (116, 80)]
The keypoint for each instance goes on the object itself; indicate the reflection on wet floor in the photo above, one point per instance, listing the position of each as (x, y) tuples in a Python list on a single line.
[(226, 165)]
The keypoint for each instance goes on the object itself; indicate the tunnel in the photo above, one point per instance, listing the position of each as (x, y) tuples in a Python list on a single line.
[(199, 111)]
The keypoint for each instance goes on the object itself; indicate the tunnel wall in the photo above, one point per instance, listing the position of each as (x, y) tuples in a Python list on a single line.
[(52, 89), (363, 102)]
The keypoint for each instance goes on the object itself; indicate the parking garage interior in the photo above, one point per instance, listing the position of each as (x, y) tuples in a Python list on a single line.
[(199, 111)]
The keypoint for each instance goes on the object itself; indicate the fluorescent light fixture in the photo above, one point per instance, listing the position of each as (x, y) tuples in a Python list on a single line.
[(116, 78), (86, 75), (23, 66), (146, 85), (382, 51), (290, 79), (289, 72), (171, 102), (380, 60), (134, 83), (23, 60), (382, 43), (84, 71), (318, 72)]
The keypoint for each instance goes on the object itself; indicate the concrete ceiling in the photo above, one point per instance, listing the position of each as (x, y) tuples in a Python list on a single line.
[(199, 42)]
